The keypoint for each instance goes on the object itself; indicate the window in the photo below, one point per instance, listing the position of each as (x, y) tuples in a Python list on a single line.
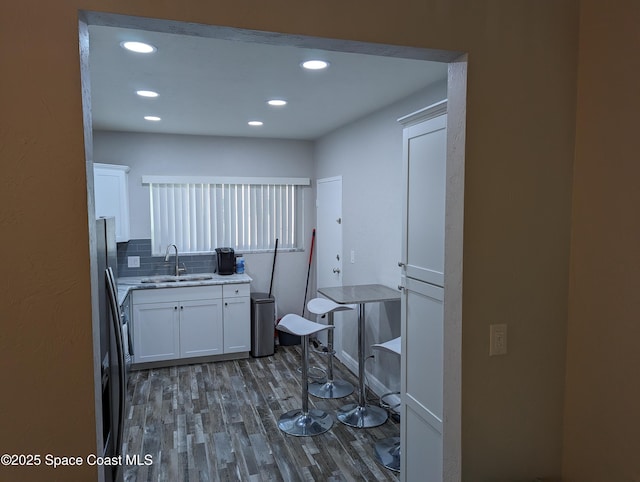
[(247, 214)]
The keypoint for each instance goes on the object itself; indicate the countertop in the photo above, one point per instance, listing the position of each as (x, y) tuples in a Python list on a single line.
[(128, 283)]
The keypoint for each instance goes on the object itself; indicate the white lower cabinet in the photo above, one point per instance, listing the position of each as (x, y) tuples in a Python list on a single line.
[(237, 310), (156, 332), (201, 331), (178, 323)]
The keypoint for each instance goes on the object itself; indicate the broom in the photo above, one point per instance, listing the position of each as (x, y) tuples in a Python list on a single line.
[(313, 238)]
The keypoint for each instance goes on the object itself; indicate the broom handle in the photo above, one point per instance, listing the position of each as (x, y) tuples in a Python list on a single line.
[(273, 268), (313, 238)]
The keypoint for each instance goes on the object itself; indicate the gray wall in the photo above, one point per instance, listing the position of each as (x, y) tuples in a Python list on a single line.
[(163, 154), (368, 156)]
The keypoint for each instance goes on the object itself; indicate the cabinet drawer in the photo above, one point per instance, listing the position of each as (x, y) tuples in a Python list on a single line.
[(235, 289), (179, 293)]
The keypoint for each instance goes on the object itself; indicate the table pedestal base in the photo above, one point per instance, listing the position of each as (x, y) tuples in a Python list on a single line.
[(300, 424), (331, 389), (362, 416)]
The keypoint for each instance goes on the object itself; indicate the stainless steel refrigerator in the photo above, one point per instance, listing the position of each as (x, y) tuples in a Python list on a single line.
[(112, 348)]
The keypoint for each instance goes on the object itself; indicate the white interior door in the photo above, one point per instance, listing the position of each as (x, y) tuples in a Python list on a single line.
[(329, 242)]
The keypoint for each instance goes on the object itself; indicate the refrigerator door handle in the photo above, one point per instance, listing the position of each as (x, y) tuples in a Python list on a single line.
[(117, 328)]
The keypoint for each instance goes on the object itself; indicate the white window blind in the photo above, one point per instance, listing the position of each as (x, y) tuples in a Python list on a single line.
[(247, 216)]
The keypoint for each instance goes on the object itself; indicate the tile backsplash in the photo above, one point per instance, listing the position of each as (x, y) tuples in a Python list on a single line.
[(156, 265)]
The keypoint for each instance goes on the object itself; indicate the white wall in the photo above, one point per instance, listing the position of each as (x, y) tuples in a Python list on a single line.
[(164, 154), (368, 156)]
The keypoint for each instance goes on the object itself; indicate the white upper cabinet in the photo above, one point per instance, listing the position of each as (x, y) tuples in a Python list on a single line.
[(111, 191)]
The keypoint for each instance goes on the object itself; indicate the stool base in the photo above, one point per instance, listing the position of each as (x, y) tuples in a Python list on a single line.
[(331, 389), (299, 424), (387, 453), (362, 416)]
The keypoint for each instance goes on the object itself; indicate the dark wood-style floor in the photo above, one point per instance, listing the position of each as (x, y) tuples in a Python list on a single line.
[(218, 422)]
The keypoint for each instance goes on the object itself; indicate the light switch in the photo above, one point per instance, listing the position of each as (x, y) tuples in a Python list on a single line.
[(498, 339), (133, 261)]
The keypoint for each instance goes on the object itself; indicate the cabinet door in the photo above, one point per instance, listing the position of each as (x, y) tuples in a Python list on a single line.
[(156, 329), (425, 159), (111, 193), (237, 324), (422, 381), (200, 328)]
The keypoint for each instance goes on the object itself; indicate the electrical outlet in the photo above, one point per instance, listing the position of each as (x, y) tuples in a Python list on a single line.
[(353, 255), (498, 339), (133, 261)]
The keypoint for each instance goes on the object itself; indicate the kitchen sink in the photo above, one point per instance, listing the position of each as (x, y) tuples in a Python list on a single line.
[(159, 279), (176, 279), (193, 277)]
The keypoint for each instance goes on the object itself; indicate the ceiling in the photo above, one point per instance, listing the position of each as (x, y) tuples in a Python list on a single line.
[(211, 86)]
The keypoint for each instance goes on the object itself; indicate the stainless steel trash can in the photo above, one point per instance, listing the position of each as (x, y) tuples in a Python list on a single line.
[(263, 316)]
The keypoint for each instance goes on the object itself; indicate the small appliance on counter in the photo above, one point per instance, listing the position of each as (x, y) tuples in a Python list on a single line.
[(226, 260)]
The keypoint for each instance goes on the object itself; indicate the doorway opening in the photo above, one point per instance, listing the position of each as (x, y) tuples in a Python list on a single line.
[(456, 94)]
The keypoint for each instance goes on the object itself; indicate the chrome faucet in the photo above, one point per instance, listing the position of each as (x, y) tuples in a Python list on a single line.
[(167, 254)]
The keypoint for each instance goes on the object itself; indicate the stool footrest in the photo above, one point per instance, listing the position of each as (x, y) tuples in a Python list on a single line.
[(316, 374), (324, 351), (388, 406)]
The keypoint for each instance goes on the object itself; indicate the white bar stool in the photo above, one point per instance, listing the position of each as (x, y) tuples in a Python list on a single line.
[(333, 387), (387, 451), (303, 422)]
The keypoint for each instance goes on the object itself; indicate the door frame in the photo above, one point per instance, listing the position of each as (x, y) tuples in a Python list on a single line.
[(454, 217), (453, 254)]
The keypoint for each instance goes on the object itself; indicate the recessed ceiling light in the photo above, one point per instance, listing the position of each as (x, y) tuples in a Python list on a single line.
[(153, 118), (146, 93), (138, 47), (315, 64), (255, 123), (277, 102)]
